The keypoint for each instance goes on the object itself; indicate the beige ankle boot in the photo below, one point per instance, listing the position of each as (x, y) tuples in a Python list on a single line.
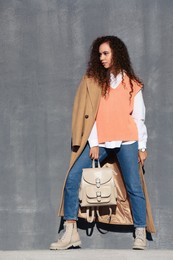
[(70, 237), (140, 239)]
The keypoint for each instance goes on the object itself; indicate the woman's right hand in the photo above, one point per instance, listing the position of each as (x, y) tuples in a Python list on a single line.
[(94, 152)]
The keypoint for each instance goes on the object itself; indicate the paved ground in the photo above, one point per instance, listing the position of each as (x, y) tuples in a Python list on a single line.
[(87, 254)]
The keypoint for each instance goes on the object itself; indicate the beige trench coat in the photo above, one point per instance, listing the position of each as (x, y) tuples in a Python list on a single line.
[(83, 117)]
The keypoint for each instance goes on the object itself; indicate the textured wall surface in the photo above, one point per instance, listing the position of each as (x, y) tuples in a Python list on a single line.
[(44, 46)]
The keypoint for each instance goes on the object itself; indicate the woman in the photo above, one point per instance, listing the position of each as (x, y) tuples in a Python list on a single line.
[(108, 115)]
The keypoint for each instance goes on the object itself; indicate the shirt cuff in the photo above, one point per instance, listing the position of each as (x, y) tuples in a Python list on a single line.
[(93, 143), (142, 144)]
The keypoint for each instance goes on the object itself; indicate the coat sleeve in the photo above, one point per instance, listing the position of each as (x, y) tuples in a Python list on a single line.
[(78, 114)]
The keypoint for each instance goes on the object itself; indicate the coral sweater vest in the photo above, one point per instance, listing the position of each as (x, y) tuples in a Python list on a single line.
[(114, 121)]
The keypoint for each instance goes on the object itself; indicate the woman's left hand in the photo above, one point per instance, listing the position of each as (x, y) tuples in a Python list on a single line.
[(142, 156), (94, 152)]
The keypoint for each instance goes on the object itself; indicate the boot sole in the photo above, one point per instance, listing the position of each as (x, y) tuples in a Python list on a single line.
[(139, 247), (75, 244)]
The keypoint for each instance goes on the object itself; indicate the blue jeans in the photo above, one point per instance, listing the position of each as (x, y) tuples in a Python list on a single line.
[(127, 156)]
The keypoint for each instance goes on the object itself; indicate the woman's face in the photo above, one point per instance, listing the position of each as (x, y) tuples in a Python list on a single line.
[(105, 55)]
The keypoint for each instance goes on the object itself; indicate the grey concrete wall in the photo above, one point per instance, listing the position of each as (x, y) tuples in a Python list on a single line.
[(43, 53)]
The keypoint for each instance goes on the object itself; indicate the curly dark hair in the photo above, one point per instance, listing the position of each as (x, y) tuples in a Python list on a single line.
[(120, 60)]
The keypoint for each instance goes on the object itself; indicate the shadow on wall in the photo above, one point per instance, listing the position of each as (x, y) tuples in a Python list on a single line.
[(103, 228)]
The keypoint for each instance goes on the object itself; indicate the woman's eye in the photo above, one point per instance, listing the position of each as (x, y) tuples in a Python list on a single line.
[(105, 53)]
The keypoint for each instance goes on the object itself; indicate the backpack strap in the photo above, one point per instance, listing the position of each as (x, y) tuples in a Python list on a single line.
[(110, 213), (90, 217)]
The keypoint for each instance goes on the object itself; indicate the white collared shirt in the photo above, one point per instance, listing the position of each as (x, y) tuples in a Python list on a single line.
[(138, 115)]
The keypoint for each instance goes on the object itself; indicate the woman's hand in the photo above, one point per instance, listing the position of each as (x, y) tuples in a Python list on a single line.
[(142, 156), (94, 152)]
